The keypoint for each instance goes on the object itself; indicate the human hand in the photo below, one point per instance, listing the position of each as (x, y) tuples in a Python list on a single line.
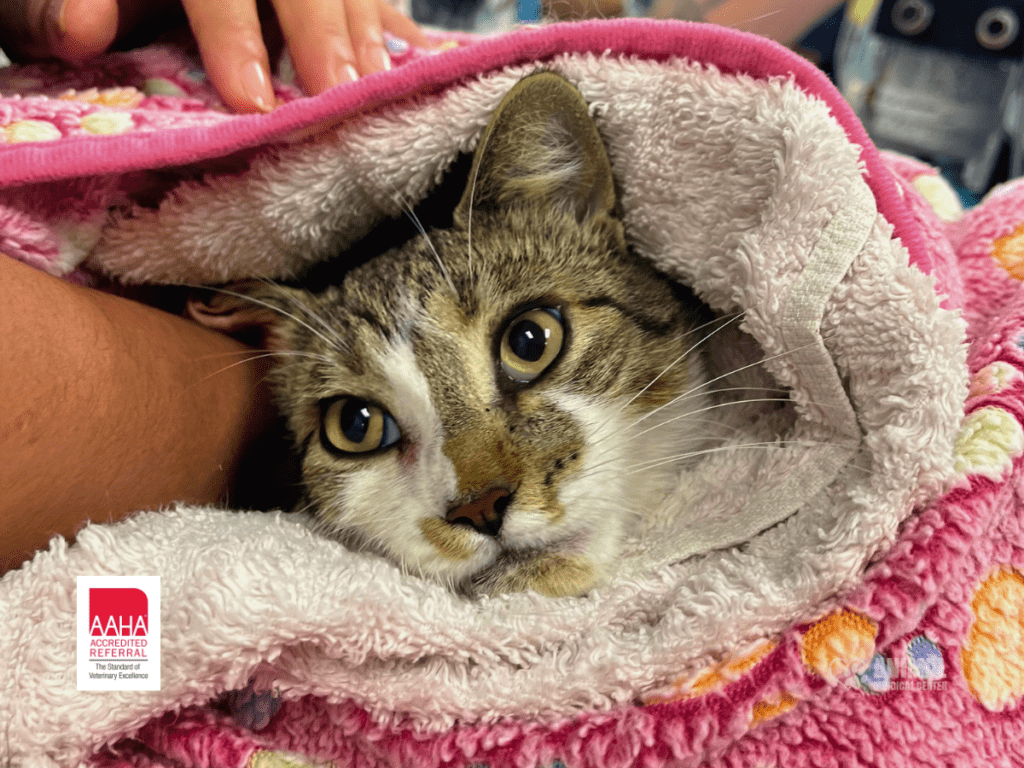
[(331, 41)]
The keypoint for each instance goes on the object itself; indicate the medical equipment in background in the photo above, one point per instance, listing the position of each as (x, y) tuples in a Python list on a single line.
[(939, 80)]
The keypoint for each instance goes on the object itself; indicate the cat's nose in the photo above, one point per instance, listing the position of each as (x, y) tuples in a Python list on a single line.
[(484, 513)]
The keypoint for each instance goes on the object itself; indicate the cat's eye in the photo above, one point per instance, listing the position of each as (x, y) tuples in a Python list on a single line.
[(352, 425), (531, 342)]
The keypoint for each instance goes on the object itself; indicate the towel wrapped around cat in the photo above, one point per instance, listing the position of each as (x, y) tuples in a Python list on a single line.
[(801, 535)]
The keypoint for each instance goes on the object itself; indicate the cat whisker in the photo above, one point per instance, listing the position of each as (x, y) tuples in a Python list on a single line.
[(706, 409), (654, 463), (411, 213), (697, 391), (618, 458), (755, 18), (469, 228), (730, 319), (609, 446), (751, 388), (312, 314), (274, 308), (249, 355), (259, 356), (472, 196), (616, 441), (307, 507), (681, 357), (690, 416)]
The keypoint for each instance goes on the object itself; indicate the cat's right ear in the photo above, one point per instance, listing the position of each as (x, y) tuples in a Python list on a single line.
[(247, 310)]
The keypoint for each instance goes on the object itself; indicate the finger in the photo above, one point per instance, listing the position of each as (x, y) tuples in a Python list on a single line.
[(229, 39), (366, 30), (85, 28), (23, 25), (319, 42), (400, 25)]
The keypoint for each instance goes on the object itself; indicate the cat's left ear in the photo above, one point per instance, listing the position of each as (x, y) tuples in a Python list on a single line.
[(541, 147)]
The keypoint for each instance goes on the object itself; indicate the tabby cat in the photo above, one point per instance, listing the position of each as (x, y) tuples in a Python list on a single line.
[(471, 405)]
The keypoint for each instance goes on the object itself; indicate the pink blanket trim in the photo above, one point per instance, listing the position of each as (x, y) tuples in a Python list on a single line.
[(728, 50)]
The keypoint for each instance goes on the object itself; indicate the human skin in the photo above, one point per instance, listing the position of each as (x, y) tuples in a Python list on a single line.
[(111, 406), (330, 41), (108, 406), (784, 21)]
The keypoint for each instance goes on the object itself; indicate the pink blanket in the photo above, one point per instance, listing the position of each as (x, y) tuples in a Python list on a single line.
[(917, 658)]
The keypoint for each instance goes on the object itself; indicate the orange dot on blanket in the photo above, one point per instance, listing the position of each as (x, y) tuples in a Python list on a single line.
[(127, 97), (838, 645), (993, 655), (773, 706), (1009, 251), (714, 677)]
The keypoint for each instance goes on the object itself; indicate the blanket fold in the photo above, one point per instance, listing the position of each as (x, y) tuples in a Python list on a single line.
[(852, 540)]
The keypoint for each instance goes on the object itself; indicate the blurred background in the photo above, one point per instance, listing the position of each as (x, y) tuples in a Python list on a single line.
[(937, 79)]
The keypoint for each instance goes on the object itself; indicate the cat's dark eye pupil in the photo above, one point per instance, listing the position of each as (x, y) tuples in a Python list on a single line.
[(531, 344), (527, 340), (354, 420)]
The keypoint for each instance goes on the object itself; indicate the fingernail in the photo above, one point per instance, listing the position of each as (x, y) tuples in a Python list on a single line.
[(256, 86), (374, 58), (377, 57), (396, 46), (343, 57)]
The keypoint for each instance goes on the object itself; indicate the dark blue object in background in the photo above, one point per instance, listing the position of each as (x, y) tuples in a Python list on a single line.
[(985, 28), (940, 80)]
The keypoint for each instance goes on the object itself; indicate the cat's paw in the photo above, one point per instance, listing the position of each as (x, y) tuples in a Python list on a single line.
[(252, 709)]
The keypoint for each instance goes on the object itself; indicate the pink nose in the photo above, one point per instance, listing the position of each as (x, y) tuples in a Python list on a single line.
[(484, 513)]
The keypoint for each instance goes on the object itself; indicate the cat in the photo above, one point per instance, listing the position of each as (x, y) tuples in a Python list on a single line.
[(489, 405)]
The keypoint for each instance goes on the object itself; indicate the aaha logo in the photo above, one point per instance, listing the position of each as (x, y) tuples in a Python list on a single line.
[(118, 613), (118, 633)]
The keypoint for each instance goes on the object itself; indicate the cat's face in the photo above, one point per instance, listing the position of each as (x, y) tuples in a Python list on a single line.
[(490, 404)]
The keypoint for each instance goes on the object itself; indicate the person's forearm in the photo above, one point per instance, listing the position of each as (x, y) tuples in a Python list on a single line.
[(782, 20), (108, 406)]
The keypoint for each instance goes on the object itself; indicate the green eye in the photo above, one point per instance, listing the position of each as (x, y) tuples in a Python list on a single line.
[(531, 343), (352, 425)]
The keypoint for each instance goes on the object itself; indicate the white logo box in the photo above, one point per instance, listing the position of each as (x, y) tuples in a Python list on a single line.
[(118, 633)]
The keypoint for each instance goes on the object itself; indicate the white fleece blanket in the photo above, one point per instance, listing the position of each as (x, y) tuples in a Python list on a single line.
[(748, 191)]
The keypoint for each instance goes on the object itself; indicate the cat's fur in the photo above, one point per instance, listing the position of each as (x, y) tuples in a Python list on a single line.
[(486, 481)]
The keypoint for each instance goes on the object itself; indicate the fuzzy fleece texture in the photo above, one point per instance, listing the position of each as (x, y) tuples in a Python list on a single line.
[(851, 595)]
